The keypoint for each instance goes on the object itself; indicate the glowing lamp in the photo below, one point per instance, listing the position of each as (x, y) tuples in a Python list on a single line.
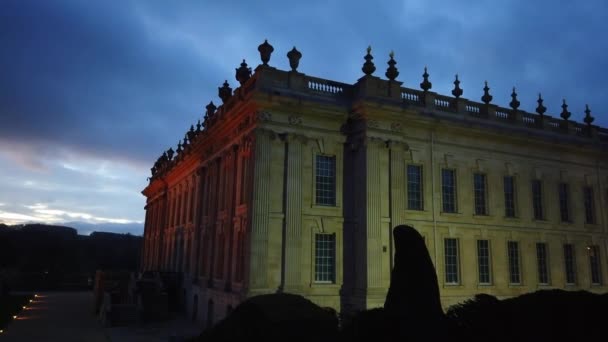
[(30, 300), (15, 317), (36, 295), (23, 307)]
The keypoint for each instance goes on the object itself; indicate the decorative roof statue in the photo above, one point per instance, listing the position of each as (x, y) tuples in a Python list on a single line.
[(514, 102), (210, 110), (457, 92), (179, 147), (170, 153), (243, 73), (391, 72), (565, 114), (224, 92), (368, 67), (294, 58), (425, 85), (540, 109), (198, 126), (588, 118), (265, 50), (486, 98)]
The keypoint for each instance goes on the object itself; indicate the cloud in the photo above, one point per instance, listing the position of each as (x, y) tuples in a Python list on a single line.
[(92, 93)]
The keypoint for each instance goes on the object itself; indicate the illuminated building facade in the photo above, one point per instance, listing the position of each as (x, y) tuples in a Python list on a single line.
[(294, 182)]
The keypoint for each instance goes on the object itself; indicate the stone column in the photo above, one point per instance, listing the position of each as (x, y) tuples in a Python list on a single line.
[(375, 147), (258, 237), (293, 213), (397, 189)]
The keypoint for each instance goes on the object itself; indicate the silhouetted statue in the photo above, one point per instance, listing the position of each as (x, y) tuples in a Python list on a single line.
[(413, 302)]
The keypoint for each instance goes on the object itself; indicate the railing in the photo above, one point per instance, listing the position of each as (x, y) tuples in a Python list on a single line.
[(320, 85), (411, 95), (502, 114), (473, 109), (529, 119)]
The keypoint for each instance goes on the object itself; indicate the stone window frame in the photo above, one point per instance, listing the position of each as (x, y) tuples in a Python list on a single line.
[(516, 265), (448, 263), (570, 262), (484, 200), (316, 258), (513, 179), (455, 187), (542, 263)]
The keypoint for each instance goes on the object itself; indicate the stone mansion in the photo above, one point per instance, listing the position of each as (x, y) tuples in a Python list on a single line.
[(294, 183)]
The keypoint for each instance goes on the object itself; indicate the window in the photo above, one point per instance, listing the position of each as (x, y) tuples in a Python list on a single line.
[(513, 250), (569, 261), (483, 261), (537, 199), (414, 187), (564, 202), (594, 260), (479, 187), (451, 261), (541, 258), (448, 190), (191, 208), (325, 258), (589, 205), (326, 180), (509, 186)]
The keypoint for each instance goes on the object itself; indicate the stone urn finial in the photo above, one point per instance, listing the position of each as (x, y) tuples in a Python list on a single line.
[(486, 98), (391, 72), (265, 50), (565, 114), (368, 67), (588, 118), (294, 58), (540, 109), (425, 85), (514, 102), (457, 92), (224, 92), (243, 73)]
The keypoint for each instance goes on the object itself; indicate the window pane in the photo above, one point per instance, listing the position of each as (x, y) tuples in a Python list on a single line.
[(589, 205), (483, 261), (564, 202), (414, 187), (451, 261), (513, 250), (326, 180), (537, 199), (569, 263), (541, 257), (479, 186), (448, 187), (325, 252), (509, 196)]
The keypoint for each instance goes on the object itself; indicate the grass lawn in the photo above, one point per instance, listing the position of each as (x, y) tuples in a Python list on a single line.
[(11, 305)]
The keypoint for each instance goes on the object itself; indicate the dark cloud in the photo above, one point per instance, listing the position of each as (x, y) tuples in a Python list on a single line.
[(122, 81)]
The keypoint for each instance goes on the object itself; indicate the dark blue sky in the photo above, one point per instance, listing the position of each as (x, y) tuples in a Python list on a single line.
[(91, 93)]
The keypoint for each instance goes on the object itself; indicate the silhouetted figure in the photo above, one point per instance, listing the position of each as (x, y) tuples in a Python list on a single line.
[(413, 302)]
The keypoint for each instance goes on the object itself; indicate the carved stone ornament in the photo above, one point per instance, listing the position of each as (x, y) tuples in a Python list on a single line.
[(264, 116), (396, 126), (295, 120), (373, 124)]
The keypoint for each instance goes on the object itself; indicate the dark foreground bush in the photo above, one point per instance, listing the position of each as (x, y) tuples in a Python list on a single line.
[(549, 315), (275, 317)]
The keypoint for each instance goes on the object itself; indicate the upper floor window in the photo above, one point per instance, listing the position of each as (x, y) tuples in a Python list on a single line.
[(479, 187), (451, 261), (537, 199), (509, 187), (325, 180), (414, 187), (325, 258), (589, 205), (564, 202), (448, 190)]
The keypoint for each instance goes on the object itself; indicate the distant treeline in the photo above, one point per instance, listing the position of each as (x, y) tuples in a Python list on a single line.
[(49, 257)]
